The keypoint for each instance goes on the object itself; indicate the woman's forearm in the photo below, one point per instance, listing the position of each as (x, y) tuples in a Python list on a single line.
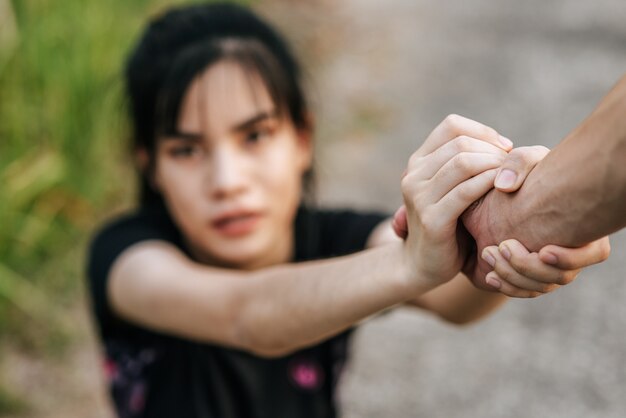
[(292, 306), (460, 302), (270, 311)]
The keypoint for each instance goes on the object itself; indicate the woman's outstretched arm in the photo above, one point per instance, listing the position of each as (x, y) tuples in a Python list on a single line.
[(270, 311), (275, 310)]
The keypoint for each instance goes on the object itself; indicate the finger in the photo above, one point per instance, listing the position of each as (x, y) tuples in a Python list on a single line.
[(399, 224), (454, 203), (517, 165), (576, 258), (460, 168), (507, 273), (530, 265), (426, 166), (508, 289), (455, 125)]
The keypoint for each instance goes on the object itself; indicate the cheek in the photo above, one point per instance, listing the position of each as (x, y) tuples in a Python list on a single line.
[(282, 172), (180, 189), (283, 187)]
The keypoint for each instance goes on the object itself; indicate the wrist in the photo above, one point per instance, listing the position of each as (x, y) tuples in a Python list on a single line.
[(489, 219), (497, 217), (415, 277)]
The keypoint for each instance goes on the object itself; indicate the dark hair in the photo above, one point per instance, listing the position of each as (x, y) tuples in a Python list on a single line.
[(182, 43)]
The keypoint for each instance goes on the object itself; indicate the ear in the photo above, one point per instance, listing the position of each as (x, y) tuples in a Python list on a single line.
[(305, 141), (142, 159), (146, 166)]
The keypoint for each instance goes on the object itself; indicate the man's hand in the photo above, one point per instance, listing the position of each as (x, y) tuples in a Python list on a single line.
[(510, 176), (523, 274)]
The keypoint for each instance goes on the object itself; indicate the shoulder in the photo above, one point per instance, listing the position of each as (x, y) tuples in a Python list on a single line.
[(124, 231), (335, 232), (113, 239)]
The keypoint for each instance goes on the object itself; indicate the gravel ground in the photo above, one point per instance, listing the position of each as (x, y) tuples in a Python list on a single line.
[(383, 74)]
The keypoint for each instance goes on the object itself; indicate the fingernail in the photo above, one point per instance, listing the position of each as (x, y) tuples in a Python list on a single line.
[(506, 141), (493, 282), (490, 259), (506, 253), (506, 178), (550, 258)]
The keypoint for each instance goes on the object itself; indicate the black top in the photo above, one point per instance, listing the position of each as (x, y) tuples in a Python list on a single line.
[(151, 374)]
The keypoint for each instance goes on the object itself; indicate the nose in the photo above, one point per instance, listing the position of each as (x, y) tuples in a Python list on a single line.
[(226, 174)]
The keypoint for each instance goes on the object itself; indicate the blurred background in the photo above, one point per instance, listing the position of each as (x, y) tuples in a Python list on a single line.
[(381, 75)]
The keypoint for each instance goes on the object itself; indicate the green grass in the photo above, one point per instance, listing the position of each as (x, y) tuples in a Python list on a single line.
[(63, 163), (10, 403)]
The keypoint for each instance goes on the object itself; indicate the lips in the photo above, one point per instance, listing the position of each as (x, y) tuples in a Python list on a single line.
[(236, 223)]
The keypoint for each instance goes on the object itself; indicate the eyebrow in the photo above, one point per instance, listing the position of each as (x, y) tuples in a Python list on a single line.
[(259, 117), (241, 126)]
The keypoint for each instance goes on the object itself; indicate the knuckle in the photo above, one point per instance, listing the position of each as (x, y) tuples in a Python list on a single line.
[(567, 277), (453, 120), (431, 221), (560, 278), (428, 218), (406, 182), (414, 159), (545, 288), (464, 193), (605, 250), (504, 274), (490, 133), (563, 280), (518, 293), (551, 288), (429, 230), (526, 156), (463, 143), (518, 157), (462, 162), (410, 184), (518, 264), (540, 150), (525, 293)]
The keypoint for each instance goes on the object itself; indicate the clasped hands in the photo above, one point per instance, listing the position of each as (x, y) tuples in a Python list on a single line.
[(445, 179)]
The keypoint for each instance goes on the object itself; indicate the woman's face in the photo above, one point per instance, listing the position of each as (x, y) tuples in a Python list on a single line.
[(232, 178)]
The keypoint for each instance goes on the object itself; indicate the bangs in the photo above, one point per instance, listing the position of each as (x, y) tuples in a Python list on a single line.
[(256, 62)]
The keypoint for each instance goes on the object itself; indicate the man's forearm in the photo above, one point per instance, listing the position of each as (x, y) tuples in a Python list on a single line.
[(578, 192)]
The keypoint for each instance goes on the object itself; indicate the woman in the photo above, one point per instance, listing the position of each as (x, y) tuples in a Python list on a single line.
[(225, 295)]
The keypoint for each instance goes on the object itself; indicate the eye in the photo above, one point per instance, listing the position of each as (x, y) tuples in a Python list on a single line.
[(254, 136), (185, 150), (257, 134)]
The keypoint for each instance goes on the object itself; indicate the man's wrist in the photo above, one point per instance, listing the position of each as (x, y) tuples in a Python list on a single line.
[(497, 216)]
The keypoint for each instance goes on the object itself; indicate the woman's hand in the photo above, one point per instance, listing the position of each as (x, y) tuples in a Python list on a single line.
[(518, 163), (522, 274), (456, 165)]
